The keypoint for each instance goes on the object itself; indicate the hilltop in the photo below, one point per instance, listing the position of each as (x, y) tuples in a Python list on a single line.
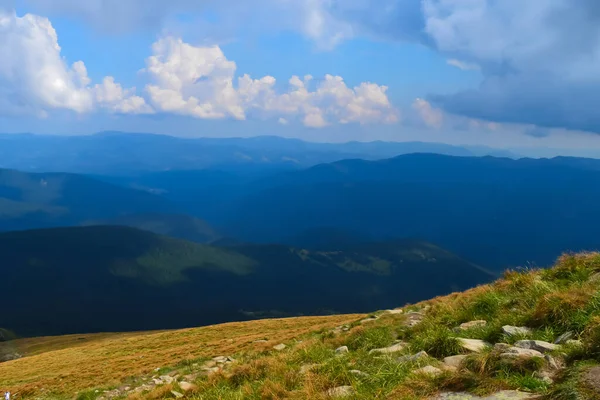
[(531, 334), (41, 200), (114, 278)]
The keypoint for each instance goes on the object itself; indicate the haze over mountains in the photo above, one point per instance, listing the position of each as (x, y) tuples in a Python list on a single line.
[(116, 153), (237, 239)]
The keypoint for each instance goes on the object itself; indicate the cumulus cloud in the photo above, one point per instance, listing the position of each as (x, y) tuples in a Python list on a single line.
[(201, 82), (34, 77), (431, 116)]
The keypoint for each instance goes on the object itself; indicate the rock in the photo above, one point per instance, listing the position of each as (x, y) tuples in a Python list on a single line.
[(209, 364), (167, 379), (428, 370), (502, 347), (220, 359), (396, 311), (415, 357), (413, 318), (473, 345), (516, 330), (342, 350), (518, 352), (592, 380), (504, 395), (176, 394), (261, 341), (539, 345), (472, 324), (454, 361), (359, 374), (186, 386), (190, 377), (562, 339), (389, 350), (340, 392), (210, 371), (157, 382), (279, 347)]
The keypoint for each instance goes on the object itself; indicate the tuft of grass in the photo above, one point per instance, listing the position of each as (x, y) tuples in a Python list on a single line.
[(370, 338)]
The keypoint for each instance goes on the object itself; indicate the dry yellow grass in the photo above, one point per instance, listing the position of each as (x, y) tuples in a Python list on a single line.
[(67, 364)]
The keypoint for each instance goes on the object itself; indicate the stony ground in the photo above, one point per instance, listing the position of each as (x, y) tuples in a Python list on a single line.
[(531, 335)]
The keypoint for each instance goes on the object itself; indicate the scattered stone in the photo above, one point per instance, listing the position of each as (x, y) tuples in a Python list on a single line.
[(340, 392), (279, 347), (342, 350), (502, 347), (428, 370), (413, 318), (591, 378), (176, 394), (518, 352), (186, 386), (190, 377), (473, 345), (210, 370), (454, 361), (504, 395), (562, 339), (472, 324), (539, 345), (516, 330), (414, 357), (167, 379), (359, 374), (395, 311), (389, 350)]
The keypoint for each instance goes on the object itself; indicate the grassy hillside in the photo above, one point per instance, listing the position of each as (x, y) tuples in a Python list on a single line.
[(495, 340), (107, 278), (175, 225), (30, 200)]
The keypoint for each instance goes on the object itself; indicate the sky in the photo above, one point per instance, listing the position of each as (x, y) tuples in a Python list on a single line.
[(508, 74)]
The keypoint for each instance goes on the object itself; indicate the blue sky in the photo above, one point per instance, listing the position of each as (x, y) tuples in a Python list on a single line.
[(484, 72)]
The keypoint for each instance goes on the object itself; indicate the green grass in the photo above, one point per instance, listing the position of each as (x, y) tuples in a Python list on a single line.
[(548, 302)]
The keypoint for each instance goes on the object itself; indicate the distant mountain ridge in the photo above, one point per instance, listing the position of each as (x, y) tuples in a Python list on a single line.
[(117, 153), (107, 278), (37, 200)]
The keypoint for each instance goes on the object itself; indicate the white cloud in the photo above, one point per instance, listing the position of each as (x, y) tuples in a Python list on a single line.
[(200, 82), (431, 116), (465, 66), (34, 77)]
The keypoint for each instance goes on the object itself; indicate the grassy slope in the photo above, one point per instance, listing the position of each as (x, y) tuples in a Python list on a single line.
[(66, 364), (551, 302)]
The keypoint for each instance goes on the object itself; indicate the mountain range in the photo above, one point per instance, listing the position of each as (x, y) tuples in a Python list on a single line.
[(113, 278), (117, 153)]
